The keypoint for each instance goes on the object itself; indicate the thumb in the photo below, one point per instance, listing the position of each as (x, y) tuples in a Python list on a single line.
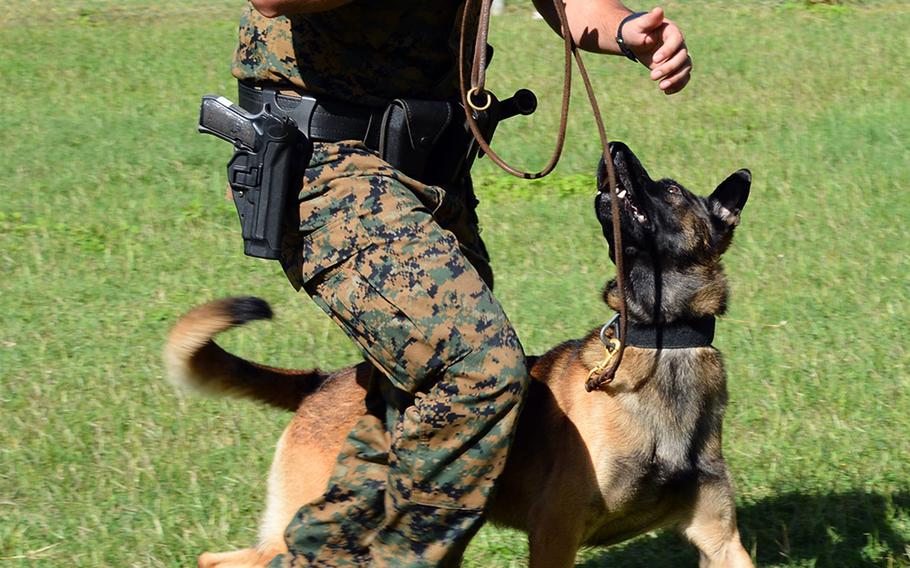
[(643, 25)]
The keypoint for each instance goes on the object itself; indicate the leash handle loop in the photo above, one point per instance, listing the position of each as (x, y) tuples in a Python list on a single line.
[(478, 78), (478, 74)]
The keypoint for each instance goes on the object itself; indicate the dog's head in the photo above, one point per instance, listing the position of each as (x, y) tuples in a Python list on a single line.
[(672, 239)]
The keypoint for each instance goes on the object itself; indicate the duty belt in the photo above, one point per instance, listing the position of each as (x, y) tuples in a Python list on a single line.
[(321, 120)]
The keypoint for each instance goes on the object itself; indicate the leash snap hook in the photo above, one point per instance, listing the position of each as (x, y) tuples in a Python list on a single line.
[(617, 337), (611, 348)]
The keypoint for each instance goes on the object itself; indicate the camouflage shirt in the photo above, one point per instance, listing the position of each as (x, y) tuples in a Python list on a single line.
[(367, 51)]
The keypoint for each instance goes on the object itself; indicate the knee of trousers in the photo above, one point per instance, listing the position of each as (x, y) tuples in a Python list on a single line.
[(417, 308), (452, 443), (494, 367)]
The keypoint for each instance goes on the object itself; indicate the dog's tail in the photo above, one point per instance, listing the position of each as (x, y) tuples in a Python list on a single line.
[(193, 360)]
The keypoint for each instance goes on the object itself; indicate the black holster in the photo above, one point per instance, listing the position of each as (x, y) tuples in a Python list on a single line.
[(270, 154), (263, 187)]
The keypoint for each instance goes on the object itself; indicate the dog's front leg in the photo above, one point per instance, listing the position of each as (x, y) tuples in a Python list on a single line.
[(712, 527), (246, 558), (554, 537)]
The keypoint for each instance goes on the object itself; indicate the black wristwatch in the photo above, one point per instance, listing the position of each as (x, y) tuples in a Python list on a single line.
[(620, 41)]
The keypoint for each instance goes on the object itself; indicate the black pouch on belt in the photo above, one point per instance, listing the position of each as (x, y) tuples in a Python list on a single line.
[(410, 130)]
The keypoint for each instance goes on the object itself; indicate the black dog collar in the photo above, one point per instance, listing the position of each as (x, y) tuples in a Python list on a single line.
[(677, 335), (698, 332)]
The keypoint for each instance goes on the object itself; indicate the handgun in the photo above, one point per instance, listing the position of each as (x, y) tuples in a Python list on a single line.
[(270, 154)]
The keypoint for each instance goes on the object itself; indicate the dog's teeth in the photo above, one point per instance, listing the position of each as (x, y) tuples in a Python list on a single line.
[(621, 194)]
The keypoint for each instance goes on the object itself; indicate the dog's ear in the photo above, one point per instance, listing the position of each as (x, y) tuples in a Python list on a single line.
[(730, 197), (626, 164)]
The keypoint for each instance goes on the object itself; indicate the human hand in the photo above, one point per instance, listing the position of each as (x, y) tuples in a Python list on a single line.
[(660, 46)]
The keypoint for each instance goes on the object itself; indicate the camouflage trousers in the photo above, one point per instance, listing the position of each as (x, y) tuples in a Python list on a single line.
[(376, 254)]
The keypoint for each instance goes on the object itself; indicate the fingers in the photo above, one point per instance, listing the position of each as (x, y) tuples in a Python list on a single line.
[(676, 62), (660, 45), (675, 81), (671, 64), (672, 42)]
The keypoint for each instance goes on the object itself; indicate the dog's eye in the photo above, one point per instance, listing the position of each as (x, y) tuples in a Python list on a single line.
[(673, 190)]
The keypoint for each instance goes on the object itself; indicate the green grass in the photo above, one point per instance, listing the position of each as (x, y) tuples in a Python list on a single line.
[(113, 223)]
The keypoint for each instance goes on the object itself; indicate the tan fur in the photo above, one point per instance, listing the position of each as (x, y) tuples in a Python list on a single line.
[(586, 468), (194, 362)]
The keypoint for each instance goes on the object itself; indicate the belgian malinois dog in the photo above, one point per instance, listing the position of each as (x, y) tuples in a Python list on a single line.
[(586, 468)]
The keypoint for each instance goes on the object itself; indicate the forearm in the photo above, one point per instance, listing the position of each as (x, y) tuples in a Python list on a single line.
[(273, 8), (592, 23)]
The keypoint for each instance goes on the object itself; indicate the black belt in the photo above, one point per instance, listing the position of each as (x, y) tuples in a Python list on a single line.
[(320, 120)]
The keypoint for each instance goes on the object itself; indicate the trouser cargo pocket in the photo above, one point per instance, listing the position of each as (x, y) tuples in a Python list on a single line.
[(397, 303)]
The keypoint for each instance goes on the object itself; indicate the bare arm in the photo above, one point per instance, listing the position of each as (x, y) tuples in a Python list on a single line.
[(655, 40), (274, 8), (592, 23)]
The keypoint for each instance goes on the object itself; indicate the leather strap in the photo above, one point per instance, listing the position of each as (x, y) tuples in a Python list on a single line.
[(479, 67), (478, 73), (476, 96)]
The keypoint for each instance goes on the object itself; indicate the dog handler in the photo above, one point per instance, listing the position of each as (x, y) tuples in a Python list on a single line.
[(399, 264)]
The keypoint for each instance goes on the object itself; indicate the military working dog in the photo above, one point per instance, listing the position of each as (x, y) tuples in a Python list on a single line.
[(586, 468)]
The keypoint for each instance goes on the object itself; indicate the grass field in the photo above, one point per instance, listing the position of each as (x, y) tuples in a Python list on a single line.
[(113, 222)]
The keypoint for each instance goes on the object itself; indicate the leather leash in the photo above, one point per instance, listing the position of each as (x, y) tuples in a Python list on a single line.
[(605, 374)]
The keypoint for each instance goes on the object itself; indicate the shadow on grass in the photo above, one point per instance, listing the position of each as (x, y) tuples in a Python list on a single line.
[(843, 530)]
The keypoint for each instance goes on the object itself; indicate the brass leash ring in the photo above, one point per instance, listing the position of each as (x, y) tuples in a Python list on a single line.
[(474, 91)]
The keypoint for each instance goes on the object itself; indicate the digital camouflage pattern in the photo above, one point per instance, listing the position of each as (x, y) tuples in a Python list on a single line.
[(414, 477), (367, 52)]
